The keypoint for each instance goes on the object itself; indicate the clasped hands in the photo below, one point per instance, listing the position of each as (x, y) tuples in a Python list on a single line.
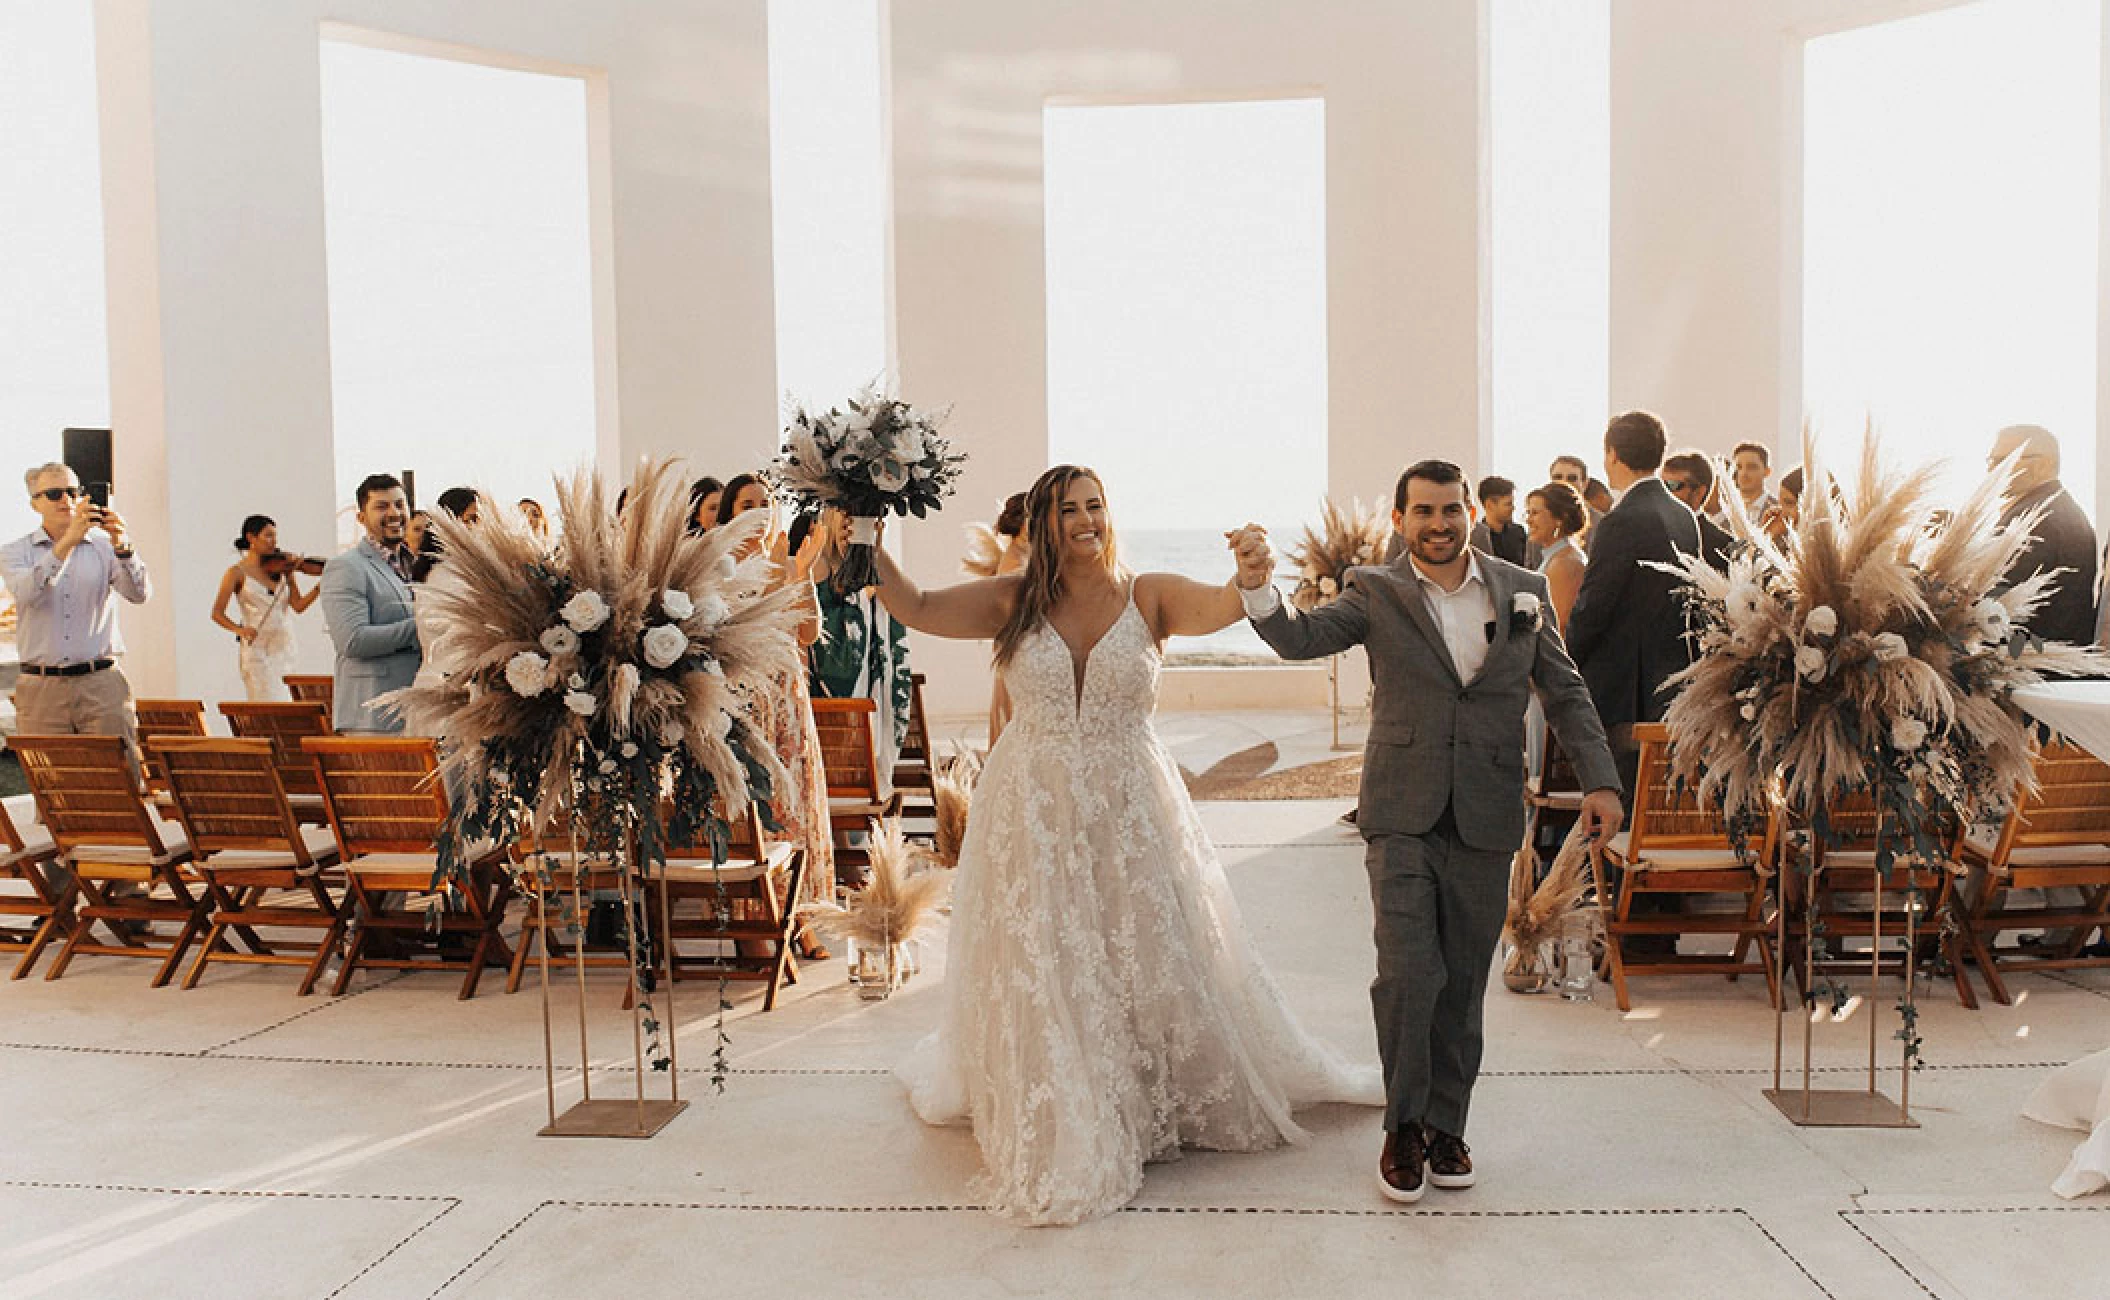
[(1256, 560)]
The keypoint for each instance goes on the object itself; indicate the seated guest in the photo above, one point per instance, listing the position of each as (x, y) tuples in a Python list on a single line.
[(1555, 516), (367, 604), (1690, 477), (2064, 539), (1498, 533), (1750, 464), (703, 503)]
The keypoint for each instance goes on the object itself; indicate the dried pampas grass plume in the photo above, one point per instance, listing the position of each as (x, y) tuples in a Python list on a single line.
[(1544, 911), (896, 903), (1344, 539), (952, 791)]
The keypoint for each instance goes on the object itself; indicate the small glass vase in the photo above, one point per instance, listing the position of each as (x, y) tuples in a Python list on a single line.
[(877, 969), (1528, 969)]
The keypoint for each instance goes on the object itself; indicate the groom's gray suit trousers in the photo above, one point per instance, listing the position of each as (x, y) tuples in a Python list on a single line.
[(1439, 905)]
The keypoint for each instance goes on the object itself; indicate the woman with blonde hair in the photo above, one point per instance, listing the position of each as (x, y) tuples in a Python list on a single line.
[(1103, 1005)]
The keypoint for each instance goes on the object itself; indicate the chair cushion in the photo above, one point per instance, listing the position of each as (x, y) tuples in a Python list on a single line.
[(735, 872), (1620, 848), (175, 848), (320, 841), (36, 843), (1981, 843)]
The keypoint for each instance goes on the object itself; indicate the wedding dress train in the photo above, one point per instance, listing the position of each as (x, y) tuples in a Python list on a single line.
[(1103, 1005)]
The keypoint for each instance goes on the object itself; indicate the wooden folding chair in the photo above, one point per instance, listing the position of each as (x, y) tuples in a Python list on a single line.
[(260, 866), (47, 909), (850, 756), (2058, 837), (913, 774), (1553, 787), (89, 797), (557, 883), (732, 920), (164, 718), (313, 689), (1673, 846), (286, 723), (1842, 899), (389, 809)]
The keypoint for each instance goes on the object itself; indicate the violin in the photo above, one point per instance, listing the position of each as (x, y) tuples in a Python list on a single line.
[(280, 563)]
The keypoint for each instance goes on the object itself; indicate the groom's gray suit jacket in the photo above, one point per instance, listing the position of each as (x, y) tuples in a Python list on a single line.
[(1438, 741)]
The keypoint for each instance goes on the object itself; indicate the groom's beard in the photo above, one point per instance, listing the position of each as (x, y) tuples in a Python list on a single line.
[(1440, 551)]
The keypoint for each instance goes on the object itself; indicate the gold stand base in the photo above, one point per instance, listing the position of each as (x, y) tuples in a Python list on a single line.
[(1839, 1108), (603, 1118)]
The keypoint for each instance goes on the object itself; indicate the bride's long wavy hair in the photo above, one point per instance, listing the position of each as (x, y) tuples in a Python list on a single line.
[(1040, 584)]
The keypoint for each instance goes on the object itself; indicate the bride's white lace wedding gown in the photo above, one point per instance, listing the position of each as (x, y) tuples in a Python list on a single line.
[(1103, 1005)]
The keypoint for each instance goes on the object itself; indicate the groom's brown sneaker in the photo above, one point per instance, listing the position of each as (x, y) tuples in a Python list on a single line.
[(1450, 1162), (1399, 1168)]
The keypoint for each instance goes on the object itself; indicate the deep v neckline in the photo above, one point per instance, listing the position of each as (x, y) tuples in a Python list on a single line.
[(1081, 669)]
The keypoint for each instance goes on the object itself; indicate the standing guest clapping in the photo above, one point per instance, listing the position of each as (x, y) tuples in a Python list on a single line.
[(63, 576), (265, 588), (366, 600)]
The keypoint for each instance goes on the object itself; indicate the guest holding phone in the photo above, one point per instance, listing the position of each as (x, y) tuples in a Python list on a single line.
[(267, 595), (63, 577)]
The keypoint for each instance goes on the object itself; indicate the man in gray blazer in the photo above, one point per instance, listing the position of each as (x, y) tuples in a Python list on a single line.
[(1458, 642), (366, 601)]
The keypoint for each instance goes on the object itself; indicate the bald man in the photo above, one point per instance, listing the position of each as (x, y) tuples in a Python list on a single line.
[(2064, 539)]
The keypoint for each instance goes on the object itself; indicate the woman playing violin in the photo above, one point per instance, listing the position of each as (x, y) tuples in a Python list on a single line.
[(267, 594)]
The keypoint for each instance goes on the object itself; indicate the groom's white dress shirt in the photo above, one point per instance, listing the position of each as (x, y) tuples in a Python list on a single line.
[(1464, 616)]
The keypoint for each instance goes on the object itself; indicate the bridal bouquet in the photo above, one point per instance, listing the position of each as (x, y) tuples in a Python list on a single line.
[(1344, 539), (879, 456)]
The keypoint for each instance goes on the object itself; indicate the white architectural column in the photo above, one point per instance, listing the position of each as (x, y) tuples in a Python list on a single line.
[(220, 386), (1403, 156)]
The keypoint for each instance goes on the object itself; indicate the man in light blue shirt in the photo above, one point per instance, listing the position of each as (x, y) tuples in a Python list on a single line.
[(63, 577)]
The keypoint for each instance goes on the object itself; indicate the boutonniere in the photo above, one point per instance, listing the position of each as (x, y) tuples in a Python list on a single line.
[(1523, 613)]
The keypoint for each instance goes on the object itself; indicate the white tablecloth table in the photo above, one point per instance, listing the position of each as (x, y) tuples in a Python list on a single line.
[(2077, 1096)]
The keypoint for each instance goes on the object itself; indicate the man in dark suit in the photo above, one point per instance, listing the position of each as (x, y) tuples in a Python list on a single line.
[(1627, 630), (1690, 478), (2064, 539)]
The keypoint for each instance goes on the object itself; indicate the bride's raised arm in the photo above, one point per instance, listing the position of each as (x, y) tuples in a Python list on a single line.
[(971, 611), (1179, 606)]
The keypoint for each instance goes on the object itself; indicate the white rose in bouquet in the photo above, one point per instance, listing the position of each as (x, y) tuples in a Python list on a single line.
[(560, 640), (1889, 647), (677, 604), (1908, 734), (664, 644), (585, 611), (712, 611), (1809, 662), (528, 674), (581, 703), (889, 475), (1822, 621), (1992, 618)]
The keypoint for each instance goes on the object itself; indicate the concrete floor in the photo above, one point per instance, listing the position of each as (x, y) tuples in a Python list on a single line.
[(239, 1141)]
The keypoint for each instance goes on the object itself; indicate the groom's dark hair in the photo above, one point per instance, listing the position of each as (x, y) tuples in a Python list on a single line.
[(1429, 471)]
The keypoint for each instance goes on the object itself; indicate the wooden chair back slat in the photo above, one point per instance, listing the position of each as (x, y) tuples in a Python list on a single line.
[(849, 747), (285, 724), (1665, 816), (165, 718), (383, 792), (313, 689), (86, 792), (228, 795)]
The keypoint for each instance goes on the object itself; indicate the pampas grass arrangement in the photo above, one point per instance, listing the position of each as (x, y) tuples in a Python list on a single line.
[(1344, 539), (953, 793), (1873, 652), (896, 904), (1544, 912)]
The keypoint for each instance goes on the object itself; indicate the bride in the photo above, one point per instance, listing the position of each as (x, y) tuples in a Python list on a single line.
[(1103, 1006)]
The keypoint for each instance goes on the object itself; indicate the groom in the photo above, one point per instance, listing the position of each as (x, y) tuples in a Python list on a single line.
[(1458, 641)]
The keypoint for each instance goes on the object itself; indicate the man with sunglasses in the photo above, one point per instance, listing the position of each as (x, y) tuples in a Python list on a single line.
[(62, 577)]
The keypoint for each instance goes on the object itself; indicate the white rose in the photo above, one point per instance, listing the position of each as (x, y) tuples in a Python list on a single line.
[(1889, 647), (1809, 662), (560, 640), (665, 643), (629, 749), (1328, 587), (1992, 616), (576, 682), (528, 674), (1750, 712), (1908, 734), (677, 604), (581, 703), (889, 475), (1821, 622), (607, 766), (585, 611), (712, 611), (1525, 603)]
